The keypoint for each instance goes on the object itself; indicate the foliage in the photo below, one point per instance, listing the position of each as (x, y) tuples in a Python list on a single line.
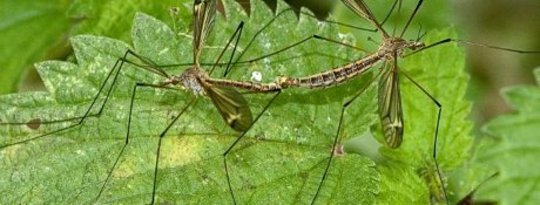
[(513, 147), (22, 20), (77, 161), (281, 160)]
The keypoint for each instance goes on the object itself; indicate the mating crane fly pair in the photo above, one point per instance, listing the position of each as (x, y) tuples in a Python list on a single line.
[(234, 108)]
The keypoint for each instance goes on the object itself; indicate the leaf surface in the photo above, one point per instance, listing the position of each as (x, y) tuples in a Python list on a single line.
[(281, 159), (514, 148)]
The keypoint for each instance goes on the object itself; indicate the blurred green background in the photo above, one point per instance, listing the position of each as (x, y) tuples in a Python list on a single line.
[(33, 31), (505, 23)]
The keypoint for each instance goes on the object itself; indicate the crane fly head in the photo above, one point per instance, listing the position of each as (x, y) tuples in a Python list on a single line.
[(415, 45)]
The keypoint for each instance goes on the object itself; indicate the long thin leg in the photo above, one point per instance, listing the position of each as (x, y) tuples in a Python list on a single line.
[(148, 65), (158, 151), (132, 100), (267, 55), (294, 45), (448, 40), (436, 135), (340, 24), (238, 140), (390, 12), (398, 2), (340, 43), (411, 17), (334, 144), (238, 32), (156, 69), (115, 71), (286, 48), (336, 138), (229, 65), (249, 44), (117, 64)]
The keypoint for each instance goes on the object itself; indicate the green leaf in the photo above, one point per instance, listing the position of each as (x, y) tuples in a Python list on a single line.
[(281, 159), (514, 148), (113, 18)]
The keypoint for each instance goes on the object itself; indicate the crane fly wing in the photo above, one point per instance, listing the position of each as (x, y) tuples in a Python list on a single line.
[(204, 12), (390, 111), (231, 105), (361, 9)]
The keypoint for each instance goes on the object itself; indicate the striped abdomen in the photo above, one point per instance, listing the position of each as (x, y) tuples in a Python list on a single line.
[(320, 80), (334, 76), (253, 86)]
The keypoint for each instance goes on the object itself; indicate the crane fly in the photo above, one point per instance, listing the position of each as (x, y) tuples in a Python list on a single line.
[(389, 99), (230, 104), (390, 111)]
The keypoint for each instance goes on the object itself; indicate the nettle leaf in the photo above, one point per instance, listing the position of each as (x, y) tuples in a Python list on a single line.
[(281, 160), (283, 157), (515, 149), (114, 18)]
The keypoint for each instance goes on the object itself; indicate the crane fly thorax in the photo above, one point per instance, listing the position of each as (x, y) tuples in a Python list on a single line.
[(395, 47), (192, 79), (392, 47)]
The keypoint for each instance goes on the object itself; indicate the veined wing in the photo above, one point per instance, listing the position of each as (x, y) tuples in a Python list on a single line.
[(390, 111), (204, 12), (231, 105), (361, 9)]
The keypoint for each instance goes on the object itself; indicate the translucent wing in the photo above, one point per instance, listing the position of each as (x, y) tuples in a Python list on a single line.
[(390, 111), (204, 12), (361, 9), (231, 105)]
